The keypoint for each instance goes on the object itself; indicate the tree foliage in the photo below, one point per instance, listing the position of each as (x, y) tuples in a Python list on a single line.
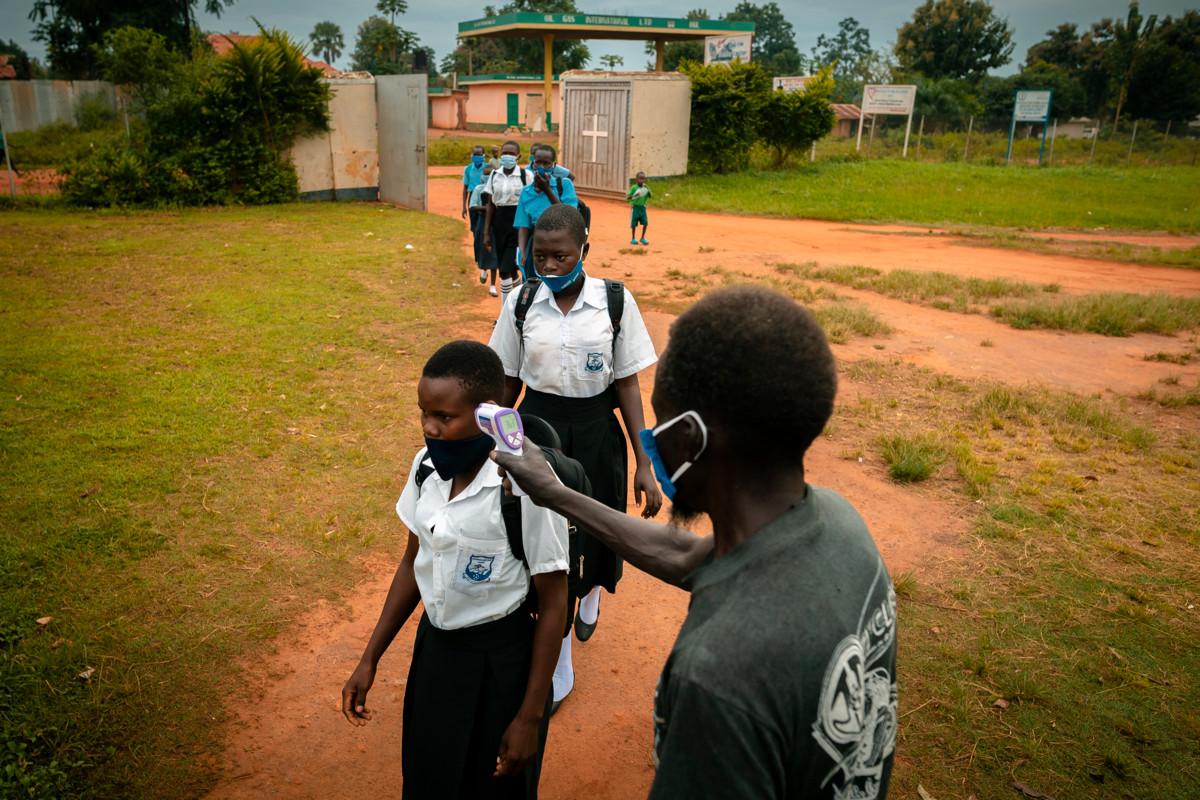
[(846, 51), (72, 30), (954, 39), (774, 43), (141, 60), (726, 101), (383, 48), (475, 56), (327, 41), (26, 68), (219, 133), (790, 122)]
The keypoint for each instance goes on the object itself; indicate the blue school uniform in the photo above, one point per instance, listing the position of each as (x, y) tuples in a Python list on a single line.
[(532, 203), (472, 176)]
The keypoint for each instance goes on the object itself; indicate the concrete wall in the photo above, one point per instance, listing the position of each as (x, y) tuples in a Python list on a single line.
[(487, 103), (659, 125), (29, 105), (447, 111), (343, 164)]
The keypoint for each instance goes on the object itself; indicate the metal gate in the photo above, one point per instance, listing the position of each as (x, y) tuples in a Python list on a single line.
[(402, 105), (596, 136)]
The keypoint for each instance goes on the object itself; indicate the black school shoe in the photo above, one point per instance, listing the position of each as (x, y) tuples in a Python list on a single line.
[(584, 631)]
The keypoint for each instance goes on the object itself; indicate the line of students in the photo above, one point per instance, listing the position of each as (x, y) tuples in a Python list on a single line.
[(491, 662)]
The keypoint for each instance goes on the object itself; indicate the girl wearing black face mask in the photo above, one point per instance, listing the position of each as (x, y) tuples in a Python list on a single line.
[(476, 702)]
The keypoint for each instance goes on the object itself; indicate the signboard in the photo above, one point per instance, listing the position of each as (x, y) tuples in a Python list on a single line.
[(1032, 106), (727, 49), (897, 100), (791, 83), (889, 99)]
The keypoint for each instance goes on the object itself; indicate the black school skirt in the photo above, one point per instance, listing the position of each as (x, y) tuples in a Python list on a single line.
[(592, 436), (464, 688), (504, 240)]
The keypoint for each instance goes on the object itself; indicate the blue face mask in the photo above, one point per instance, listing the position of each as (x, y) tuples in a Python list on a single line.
[(508, 161), (477, 160), (556, 283), (454, 456), (650, 445), (545, 172)]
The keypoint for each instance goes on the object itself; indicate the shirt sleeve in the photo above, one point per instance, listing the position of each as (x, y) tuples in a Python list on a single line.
[(505, 340), (406, 506), (629, 194), (466, 176), (522, 220), (634, 350), (544, 534), (711, 748), (568, 196)]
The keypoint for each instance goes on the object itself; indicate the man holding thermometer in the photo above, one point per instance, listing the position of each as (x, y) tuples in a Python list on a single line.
[(781, 682)]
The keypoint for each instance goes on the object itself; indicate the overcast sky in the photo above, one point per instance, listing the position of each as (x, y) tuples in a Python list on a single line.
[(436, 21)]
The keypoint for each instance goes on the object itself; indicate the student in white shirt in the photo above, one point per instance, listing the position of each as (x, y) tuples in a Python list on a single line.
[(476, 703), (576, 367), (500, 237)]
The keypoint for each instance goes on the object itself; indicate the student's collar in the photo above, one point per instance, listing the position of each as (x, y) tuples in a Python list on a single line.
[(592, 293), (487, 477)]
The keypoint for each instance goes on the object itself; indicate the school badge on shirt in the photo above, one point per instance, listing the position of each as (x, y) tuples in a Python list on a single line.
[(595, 362), (479, 568)]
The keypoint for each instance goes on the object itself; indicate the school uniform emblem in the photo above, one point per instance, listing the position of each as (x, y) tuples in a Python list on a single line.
[(479, 568), (595, 362)]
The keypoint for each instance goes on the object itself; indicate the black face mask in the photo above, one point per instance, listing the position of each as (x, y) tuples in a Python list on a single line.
[(454, 456)]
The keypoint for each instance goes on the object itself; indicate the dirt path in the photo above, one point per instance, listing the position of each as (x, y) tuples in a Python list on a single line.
[(293, 743)]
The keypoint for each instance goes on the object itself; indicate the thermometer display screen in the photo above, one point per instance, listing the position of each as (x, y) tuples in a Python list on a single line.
[(508, 423)]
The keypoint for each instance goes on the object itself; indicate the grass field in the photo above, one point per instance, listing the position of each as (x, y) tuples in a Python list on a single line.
[(1059, 651), (193, 408), (1148, 198)]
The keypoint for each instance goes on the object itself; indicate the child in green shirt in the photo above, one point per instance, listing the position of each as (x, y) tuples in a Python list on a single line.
[(637, 196)]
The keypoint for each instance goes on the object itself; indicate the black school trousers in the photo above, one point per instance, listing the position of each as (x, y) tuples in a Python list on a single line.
[(591, 435), (464, 688)]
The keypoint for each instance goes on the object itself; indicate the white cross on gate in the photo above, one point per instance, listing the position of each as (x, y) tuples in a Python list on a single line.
[(596, 134)]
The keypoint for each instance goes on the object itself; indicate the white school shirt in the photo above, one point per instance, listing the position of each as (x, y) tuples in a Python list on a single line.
[(466, 572), (572, 354), (506, 189)]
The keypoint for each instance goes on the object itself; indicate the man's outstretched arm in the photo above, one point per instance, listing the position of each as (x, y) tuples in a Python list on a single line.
[(667, 552)]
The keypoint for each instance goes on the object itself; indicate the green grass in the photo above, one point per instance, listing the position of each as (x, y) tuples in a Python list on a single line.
[(1109, 314), (202, 417), (455, 151), (1182, 257), (52, 146), (953, 194), (1073, 599), (844, 320), (911, 459)]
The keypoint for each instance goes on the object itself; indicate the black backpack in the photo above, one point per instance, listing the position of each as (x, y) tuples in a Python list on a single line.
[(568, 470), (614, 294)]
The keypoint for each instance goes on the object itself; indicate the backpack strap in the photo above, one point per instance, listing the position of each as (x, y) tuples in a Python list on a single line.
[(510, 510), (560, 186), (520, 311), (523, 181), (614, 292), (424, 470)]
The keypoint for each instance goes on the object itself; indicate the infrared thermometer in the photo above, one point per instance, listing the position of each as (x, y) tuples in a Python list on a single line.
[(505, 427)]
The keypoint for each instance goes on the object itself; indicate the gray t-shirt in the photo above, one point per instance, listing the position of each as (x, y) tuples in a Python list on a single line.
[(782, 682)]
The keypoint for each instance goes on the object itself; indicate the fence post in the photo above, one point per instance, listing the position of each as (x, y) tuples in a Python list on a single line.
[(12, 185), (812, 154), (1053, 136), (920, 136), (871, 138), (967, 143), (1132, 139), (1095, 138)]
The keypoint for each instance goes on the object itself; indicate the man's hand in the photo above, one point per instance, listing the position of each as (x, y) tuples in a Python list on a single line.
[(644, 482), (487, 242), (517, 746), (541, 182), (531, 471), (354, 694), (464, 212)]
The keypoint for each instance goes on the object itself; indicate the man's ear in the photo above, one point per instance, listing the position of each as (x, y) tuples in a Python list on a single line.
[(583, 255)]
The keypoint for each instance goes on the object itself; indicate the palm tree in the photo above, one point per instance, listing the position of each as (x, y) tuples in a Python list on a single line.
[(326, 38), (1130, 38), (612, 61), (392, 8)]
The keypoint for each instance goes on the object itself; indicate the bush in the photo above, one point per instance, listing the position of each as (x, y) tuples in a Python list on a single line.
[(215, 131), (792, 121), (94, 113), (727, 101)]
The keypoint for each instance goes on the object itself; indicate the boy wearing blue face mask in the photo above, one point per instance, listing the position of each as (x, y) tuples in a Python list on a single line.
[(577, 354), (545, 191), (472, 177), (475, 703)]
